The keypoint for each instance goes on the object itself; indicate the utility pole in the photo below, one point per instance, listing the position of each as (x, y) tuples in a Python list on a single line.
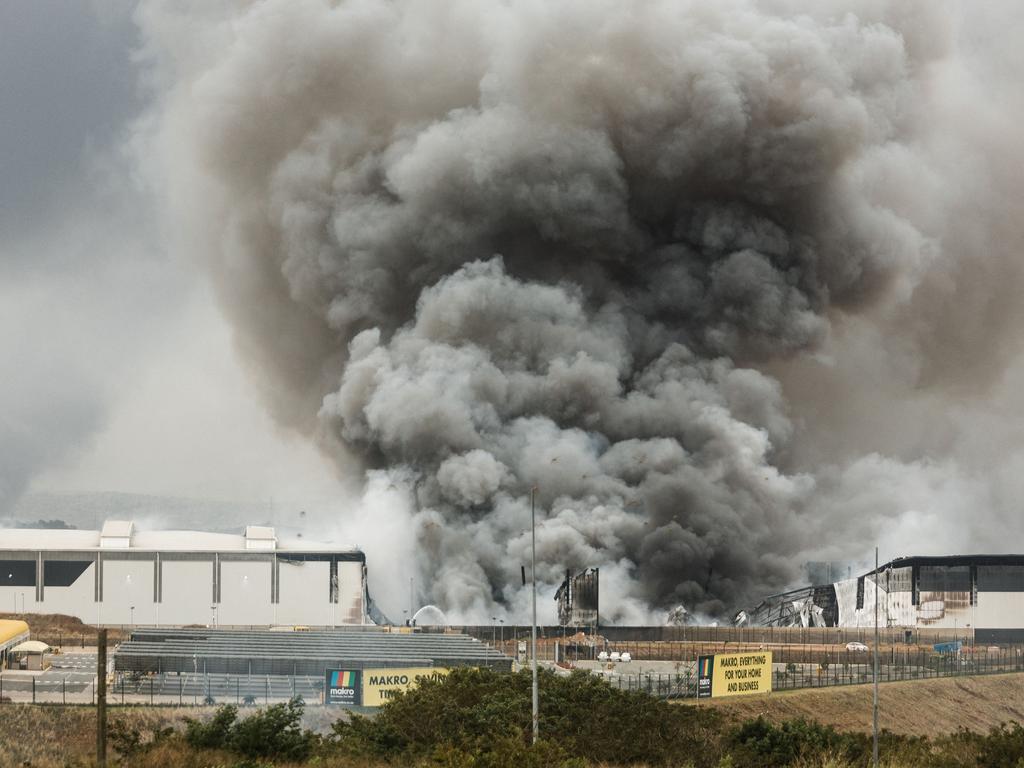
[(533, 629), (101, 699), (874, 713)]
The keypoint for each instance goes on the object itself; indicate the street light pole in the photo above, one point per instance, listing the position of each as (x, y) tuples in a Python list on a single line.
[(533, 628), (874, 709)]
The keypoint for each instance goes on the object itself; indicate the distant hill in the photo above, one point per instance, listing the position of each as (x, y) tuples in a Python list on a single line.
[(89, 510)]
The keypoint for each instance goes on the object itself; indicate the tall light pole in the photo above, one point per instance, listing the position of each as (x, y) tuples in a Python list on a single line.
[(874, 709), (533, 628), (494, 629), (502, 631), (132, 619)]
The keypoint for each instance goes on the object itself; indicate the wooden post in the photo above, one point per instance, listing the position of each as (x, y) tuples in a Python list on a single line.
[(101, 699)]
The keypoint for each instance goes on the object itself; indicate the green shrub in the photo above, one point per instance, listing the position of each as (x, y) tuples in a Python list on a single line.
[(759, 743), (1003, 747), (274, 732), (214, 733), (488, 715)]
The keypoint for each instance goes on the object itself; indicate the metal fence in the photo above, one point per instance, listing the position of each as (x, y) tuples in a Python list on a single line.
[(725, 635), (175, 690), (847, 670)]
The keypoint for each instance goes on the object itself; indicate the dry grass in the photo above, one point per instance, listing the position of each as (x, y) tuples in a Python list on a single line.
[(50, 626), (913, 708), (46, 736)]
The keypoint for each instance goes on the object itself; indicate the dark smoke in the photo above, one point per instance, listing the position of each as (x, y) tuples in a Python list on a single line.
[(488, 246)]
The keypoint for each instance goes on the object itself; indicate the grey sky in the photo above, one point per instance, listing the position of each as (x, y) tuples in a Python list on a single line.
[(68, 85), (115, 359)]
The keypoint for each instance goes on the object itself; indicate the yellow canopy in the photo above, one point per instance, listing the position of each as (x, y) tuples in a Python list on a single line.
[(11, 629)]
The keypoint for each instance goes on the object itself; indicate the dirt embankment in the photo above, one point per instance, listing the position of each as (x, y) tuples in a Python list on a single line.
[(56, 628), (919, 707)]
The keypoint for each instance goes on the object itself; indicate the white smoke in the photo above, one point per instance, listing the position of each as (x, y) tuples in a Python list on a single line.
[(590, 247)]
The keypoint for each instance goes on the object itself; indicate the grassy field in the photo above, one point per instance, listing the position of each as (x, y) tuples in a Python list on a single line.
[(55, 735), (912, 708)]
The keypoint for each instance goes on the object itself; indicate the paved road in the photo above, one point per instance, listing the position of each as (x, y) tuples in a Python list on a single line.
[(83, 662)]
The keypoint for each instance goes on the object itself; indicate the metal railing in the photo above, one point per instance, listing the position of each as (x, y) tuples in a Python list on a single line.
[(846, 670)]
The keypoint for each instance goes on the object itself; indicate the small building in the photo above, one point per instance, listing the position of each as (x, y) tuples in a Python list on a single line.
[(12, 633), (30, 654)]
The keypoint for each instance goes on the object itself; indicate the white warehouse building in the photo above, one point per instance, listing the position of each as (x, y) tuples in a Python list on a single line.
[(121, 575)]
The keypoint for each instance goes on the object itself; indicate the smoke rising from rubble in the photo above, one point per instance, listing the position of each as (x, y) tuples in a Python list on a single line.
[(480, 247)]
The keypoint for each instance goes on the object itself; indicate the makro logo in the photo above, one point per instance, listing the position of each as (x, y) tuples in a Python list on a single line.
[(343, 687)]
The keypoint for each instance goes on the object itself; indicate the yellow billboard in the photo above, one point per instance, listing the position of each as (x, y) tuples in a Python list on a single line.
[(382, 685), (734, 674)]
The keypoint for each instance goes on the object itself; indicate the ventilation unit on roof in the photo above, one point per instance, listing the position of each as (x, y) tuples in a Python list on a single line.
[(260, 537), (116, 534)]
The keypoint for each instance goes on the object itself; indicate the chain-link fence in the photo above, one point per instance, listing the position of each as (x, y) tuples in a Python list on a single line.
[(843, 669), (175, 690)]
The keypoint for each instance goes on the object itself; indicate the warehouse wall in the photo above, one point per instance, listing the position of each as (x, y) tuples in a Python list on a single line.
[(77, 599), (304, 592), (128, 583), (245, 593), (178, 588), (350, 608), (186, 591)]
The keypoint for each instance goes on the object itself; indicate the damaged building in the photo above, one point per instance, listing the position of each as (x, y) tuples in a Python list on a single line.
[(979, 593), (577, 599)]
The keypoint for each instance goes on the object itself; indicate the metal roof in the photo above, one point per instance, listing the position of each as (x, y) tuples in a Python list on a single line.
[(309, 652), (154, 541), (12, 629)]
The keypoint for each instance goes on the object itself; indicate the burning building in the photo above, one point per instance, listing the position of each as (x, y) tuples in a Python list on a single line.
[(577, 599), (983, 593)]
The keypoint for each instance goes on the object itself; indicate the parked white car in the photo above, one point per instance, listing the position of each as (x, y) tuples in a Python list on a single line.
[(855, 646)]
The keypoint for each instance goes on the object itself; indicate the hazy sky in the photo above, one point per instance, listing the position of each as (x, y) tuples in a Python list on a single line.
[(118, 372)]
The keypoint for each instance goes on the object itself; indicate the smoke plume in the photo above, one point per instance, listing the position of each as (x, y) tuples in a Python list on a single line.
[(589, 248)]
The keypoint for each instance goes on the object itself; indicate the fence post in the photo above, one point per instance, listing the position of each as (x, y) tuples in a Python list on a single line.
[(151, 691), (180, 687), (64, 690), (33, 690)]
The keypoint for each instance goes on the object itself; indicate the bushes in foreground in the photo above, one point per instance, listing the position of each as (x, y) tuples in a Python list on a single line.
[(275, 732), (481, 719), (487, 715)]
